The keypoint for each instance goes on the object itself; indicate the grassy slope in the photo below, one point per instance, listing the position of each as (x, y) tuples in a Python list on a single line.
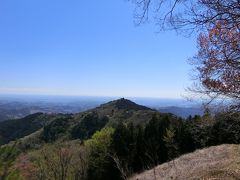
[(217, 162)]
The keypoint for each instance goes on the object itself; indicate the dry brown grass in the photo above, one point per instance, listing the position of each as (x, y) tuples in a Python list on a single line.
[(215, 163)]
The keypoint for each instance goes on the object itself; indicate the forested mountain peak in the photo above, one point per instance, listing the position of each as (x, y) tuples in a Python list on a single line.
[(80, 125), (124, 104)]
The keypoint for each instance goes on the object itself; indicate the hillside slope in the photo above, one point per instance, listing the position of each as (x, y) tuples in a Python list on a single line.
[(217, 162), (14, 129), (81, 125)]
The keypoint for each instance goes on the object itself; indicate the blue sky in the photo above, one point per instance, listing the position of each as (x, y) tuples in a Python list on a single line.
[(60, 47)]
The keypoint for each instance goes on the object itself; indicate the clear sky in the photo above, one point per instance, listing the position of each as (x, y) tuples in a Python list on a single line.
[(83, 47)]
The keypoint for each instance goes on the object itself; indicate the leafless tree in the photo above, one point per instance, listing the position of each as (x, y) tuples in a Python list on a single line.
[(121, 166), (187, 14), (217, 63)]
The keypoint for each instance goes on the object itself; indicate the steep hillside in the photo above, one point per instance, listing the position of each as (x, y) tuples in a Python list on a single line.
[(217, 162), (18, 128), (14, 129)]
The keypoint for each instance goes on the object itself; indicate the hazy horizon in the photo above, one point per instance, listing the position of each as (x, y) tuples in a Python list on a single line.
[(147, 101)]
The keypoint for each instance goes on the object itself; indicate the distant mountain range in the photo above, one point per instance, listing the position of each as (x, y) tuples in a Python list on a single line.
[(182, 111), (19, 107), (14, 107)]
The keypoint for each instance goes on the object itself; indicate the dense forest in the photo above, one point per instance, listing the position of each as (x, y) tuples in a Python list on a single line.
[(108, 142)]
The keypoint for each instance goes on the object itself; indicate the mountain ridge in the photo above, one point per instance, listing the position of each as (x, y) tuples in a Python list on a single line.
[(110, 114)]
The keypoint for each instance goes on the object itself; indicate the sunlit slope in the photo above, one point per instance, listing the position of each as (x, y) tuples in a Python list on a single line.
[(217, 162)]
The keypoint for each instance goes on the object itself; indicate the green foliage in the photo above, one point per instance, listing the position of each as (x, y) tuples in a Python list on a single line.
[(8, 156), (170, 142), (142, 148), (101, 141), (124, 145), (55, 129), (101, 165), (14, 129), (157, 151), (122, 140), (226, 129), (33, 141), (13, 175), (196, 134), (90, 123)]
